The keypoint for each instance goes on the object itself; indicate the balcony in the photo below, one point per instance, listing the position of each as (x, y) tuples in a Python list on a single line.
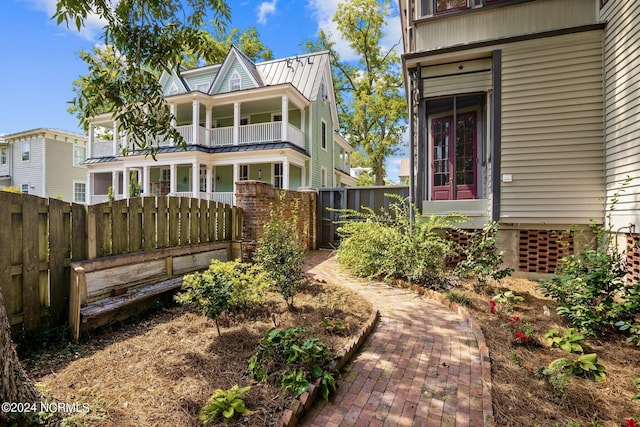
[(259, 133)]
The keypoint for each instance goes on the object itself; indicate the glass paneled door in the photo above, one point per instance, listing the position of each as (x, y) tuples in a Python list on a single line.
[(454, 155)]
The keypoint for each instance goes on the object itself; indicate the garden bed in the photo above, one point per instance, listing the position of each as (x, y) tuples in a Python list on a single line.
[(520, 396), (160, 369)]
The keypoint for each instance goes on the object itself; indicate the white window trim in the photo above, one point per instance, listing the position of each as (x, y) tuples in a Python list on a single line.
[(73, 153), (240, 176), (235, 76), (22, 151), (273, 117), (247, 118), (203, 87), (324, 177), (4, 156), (326, 135), (74, 191), (23, 187), (173, 89), (281, 175)]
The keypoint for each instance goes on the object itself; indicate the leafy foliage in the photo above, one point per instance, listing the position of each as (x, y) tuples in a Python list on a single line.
[(279, 251), (292, 359), (585, 366), (370, 95), (570, 341), (388, 245), (210, 298), (143, 39), (481, 257), (505, 300), (225, 403)]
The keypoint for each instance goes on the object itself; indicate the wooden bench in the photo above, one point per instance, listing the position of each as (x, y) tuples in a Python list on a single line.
[(108, 289)]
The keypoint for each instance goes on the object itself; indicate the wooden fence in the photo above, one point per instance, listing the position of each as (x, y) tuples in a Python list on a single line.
[(40, 237)]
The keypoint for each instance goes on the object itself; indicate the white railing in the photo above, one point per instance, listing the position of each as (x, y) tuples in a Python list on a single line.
[(221, 137), (260, 132), (222, 197), (295, 136), (102, 148)]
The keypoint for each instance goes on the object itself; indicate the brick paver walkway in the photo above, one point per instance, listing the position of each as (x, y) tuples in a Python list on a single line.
[(420, 366)]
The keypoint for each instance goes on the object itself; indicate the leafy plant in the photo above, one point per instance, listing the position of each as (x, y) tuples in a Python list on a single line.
[(506, 300), (209, 298), (481, 257), (585, 366), (633, 328), (637, 383), (335, 326), (458, 297), (292, 359), (590, 286), (570, 340), (279, 251), (522, 332), (225, 403), (389, 244)]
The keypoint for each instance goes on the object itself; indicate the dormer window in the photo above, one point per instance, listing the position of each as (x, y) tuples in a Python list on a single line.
[(173, 89), (235, 82), (324, 95)]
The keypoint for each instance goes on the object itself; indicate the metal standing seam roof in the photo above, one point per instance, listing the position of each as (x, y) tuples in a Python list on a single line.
[(302, 71)]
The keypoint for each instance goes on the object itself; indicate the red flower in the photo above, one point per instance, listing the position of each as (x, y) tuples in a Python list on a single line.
[(492, 306), (521, 337), (514, 319), (631, 422)]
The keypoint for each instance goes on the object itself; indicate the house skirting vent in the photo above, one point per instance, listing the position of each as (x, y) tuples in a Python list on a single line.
[(633, 258), (540, 250)]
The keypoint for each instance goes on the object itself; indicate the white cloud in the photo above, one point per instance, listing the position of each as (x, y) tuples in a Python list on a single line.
[(265, 9), (323, 11), (93, 25)]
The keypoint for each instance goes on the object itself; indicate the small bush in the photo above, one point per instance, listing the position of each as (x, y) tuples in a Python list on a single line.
[(209, 298), (279, 251), (389, 245), (225, 403)]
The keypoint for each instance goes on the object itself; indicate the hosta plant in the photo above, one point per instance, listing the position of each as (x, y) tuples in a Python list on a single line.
[(226, 404)]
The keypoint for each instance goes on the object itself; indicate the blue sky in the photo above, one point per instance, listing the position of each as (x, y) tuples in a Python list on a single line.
[(40, 59)]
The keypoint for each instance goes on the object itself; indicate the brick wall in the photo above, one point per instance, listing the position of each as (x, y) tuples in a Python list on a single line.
[(255, 199), (633, 258)]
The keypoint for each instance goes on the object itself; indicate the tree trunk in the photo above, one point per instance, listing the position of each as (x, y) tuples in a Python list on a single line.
[(15, 385), (380, 170)]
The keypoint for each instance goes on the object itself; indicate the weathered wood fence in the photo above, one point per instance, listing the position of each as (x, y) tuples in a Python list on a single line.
[(40, 237)]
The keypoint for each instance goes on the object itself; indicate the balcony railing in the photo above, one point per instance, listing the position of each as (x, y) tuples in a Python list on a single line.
[(258, 133)]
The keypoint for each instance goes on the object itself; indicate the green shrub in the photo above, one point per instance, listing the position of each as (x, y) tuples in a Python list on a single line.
[(209, 298), (225, 403), (570, 341), (585, 366), (481, 257), (292, 359), (279, 251), (389, 245)]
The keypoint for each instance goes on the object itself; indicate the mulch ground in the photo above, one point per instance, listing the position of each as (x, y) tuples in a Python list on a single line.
[(161, 368)]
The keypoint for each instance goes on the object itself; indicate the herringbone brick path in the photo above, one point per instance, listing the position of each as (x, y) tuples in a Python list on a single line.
[(420, 366)]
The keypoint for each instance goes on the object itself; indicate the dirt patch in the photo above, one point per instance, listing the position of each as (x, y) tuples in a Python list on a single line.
[(160, 369), (520, 397)]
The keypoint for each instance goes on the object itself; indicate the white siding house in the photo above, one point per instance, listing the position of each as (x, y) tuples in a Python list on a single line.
[(274, 121), (46, 163), (523, 112)]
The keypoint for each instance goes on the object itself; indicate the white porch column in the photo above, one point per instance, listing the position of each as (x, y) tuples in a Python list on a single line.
[(209, 185), (125, 190), (236, 123), (285, 117), (172, 110), (91, 141), (88, 189), (116, 140), (207, 125), (196, 121), (195, 179), (146, 181), (236, 178), (303, 177), (285, 174), (173, 185), (303, 123), (114, 184)]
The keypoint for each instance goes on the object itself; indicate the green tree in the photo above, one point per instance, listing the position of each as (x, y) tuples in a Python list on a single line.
[(371, 106), (144, 37)]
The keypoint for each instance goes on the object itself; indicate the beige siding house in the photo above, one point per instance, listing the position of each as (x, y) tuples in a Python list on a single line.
[(46, 163), (523, 111)]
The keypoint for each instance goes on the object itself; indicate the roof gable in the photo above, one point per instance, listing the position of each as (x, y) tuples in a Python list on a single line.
[(172, 84), (304, 72), (236, 65)]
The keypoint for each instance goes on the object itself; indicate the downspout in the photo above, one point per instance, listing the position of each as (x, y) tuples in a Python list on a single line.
[(44, 165), (311, 140)]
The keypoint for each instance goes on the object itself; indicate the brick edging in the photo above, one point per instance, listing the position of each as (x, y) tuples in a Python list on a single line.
[(487, 405), (304, 402)]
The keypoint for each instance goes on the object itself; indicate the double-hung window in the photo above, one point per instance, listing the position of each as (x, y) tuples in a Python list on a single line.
[(26, 151)]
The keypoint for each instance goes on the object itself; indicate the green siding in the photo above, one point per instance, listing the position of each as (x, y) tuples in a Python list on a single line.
[(295, 177), (225, 173), (184, 177), (266, 172), (194, 81), (170, 81), (247, 82)]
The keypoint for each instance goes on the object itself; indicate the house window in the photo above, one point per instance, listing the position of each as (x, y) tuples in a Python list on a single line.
[(324, 95), (324, 135), (3, 156), (235, 82), (203, 179), (244, 121), (278, 180), (202, 87), (79, 192), (323, 176), (244, 172), (449, 5), (276, 117), (79, 155), (173, 89), (25, 188), (26, 151)]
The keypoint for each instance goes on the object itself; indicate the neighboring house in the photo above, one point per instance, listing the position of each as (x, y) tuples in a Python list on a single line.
[(274, 121), (46, 163), (524, 111), (405, 170)]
